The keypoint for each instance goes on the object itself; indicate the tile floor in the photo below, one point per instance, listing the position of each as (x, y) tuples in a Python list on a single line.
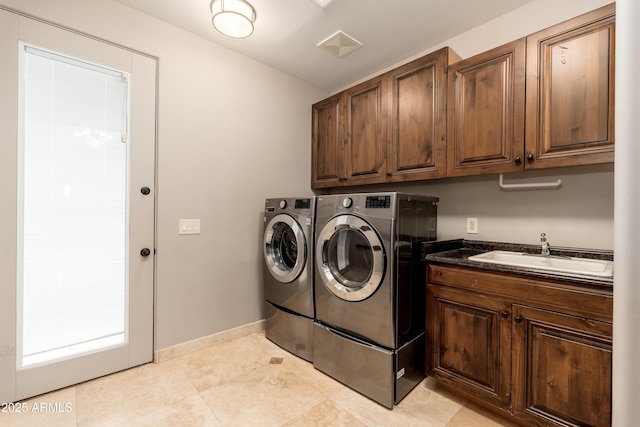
[(234, 384)]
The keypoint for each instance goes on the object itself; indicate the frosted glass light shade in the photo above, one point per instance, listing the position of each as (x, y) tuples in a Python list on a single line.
[(233, 18)]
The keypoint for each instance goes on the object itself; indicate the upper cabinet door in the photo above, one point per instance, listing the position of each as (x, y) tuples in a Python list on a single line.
[(570, 92), (418, 131), (365, 121), (326, 143), (486, 112)]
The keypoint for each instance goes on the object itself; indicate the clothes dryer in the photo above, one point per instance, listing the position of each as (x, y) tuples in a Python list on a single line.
[(288, 273), (370, 290)]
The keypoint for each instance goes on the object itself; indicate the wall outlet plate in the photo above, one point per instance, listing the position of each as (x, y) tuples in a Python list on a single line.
[(472, 225)]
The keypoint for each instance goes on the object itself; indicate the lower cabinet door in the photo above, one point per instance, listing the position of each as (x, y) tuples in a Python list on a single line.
[(561, 368), (469, 343)]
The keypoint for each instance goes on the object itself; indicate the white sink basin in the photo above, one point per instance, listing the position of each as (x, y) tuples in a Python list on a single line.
[(591, 267)]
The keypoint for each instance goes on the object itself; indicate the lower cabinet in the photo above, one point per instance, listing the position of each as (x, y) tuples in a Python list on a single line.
[(471, 343), (534, 350), (563, 364)]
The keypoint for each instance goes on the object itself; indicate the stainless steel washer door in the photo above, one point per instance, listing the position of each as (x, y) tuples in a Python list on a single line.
[(285, 248), (350, 258)]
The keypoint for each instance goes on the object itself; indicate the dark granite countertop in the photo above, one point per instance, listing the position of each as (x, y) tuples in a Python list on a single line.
[(457, 252)]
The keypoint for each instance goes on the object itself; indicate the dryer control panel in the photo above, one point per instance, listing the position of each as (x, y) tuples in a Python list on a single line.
[(378, 202)]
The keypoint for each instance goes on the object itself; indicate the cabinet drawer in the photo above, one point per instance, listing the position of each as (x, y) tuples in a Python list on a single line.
[(553, 295)]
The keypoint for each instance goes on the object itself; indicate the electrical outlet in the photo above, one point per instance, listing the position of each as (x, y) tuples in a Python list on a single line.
[(472, 225)]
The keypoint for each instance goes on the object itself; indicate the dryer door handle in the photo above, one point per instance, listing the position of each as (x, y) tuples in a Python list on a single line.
[(325, 261)]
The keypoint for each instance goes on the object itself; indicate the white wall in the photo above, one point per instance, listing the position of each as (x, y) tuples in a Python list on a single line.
[(626, 293), (232, 132), (579, 214)]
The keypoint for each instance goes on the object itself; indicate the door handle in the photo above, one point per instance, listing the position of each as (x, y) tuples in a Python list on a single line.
[(145, 252), (145, 190)]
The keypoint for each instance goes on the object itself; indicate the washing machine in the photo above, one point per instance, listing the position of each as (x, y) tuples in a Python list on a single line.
[(288, 273), (370, 284)]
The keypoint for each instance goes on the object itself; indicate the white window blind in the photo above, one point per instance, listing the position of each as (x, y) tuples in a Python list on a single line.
[(72, 278)]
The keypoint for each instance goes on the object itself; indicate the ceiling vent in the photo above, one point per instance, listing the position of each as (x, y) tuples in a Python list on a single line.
[(322, 3), (340, 44)]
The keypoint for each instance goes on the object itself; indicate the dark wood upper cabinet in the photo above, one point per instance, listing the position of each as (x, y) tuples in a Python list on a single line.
[(566, 117), (418, 127), (486, 112), (348, 139), (365, 137), (386, 129), (327, 143), (570, 92), (543, 101)]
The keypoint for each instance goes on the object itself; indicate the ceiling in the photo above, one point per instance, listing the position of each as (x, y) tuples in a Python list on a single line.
[(287, 32)]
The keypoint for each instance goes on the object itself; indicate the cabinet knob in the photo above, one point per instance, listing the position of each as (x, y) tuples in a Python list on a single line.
[(530, 157), (518, 319), (504, 314), (517, 160)]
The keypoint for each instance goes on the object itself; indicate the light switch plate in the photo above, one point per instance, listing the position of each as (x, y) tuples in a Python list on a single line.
[(189, 226)]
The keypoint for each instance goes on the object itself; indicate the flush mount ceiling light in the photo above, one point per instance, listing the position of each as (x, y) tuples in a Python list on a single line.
[(340, 44), (233, 18)]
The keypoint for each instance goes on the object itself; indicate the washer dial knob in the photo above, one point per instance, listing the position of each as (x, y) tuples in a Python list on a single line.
[(347, 202), (283, 204)]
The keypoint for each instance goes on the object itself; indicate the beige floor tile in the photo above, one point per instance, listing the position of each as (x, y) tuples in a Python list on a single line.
[(304, 369), (424, 406), (318, 380), (472, 415), (190, 412), (117, 398), (209, 367), (234, 384), (56, 409), (325, 414), (270, 395)]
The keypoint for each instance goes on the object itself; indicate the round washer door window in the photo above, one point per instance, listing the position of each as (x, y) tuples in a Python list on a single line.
[(284, 248), (350, 258)]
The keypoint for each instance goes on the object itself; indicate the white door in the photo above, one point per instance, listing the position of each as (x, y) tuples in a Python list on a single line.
[(78, 161)]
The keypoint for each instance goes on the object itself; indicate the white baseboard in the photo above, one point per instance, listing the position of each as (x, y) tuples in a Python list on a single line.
[(178, 350)]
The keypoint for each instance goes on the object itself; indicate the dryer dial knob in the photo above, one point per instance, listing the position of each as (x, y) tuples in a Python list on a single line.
[(347, 202), (283, 204)]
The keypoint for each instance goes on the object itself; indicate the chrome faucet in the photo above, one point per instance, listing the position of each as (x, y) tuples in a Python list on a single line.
[(545, 245)]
